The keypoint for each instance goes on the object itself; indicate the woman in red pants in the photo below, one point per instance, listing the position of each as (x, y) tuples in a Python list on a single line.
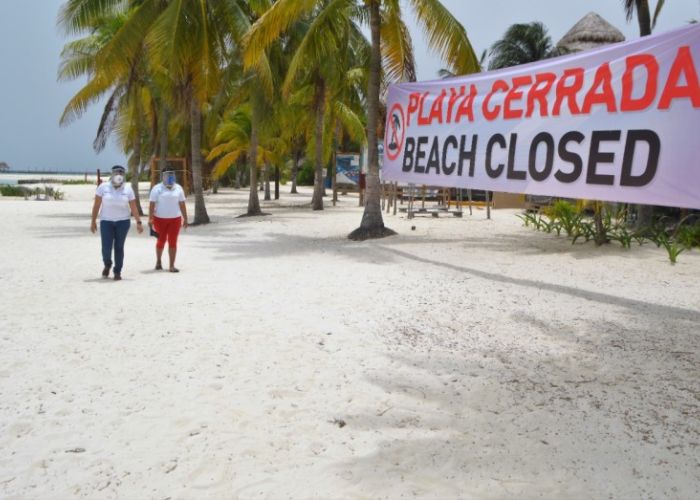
[(166, 213)]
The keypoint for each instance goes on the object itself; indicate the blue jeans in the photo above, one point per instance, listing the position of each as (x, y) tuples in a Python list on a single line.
[(114, 235)]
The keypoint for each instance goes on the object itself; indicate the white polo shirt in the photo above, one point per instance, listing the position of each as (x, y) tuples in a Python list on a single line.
[(167, 201), (115, 201)]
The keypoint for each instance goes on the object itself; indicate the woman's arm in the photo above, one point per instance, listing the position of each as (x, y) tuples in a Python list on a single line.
[(135, 213), (183, 210), (151, 211), (95, 210)]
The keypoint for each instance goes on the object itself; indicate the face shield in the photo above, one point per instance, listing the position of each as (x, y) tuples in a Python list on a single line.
[(117, 177), (169, 179)]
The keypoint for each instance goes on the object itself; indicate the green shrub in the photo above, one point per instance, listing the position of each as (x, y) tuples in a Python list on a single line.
[(144, 176), (672, 247), (689, 236), (306, 175), (13, 190), (76, 182)]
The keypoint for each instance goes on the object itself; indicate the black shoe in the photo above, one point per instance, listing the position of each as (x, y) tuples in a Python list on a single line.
[(117, 276), (105, 271)]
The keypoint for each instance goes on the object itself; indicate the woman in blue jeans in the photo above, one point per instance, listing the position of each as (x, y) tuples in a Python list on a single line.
[(115, 203)]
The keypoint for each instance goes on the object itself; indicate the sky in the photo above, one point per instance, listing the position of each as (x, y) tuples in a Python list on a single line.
[(31, 99)]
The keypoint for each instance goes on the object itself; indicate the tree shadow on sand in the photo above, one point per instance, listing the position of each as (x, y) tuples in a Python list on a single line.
[(560, 419)]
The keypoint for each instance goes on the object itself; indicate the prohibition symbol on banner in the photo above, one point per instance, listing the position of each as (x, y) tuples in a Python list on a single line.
[(395, 132)]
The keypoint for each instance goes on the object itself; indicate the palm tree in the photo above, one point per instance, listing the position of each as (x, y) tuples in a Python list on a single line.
[(189, 40), (445, 34), (321, 33), (233, 139), (641, 7), (521, 44), (448, 37), (125, 87)]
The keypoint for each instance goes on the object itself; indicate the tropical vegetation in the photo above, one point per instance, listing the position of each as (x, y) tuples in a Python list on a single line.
[(256, 84), (521, 44), (244, 88), (578, 222)]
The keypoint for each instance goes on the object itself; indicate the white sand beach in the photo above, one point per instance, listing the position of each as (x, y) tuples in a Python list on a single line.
[(469, 358)]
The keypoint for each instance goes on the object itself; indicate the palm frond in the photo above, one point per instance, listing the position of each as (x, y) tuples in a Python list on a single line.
[(90, 93), (76, 16), (351, 122), (277, 19), (446, 35), (397, 47), (657, 11)]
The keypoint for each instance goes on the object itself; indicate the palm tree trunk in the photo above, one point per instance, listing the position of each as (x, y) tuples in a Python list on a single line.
[(239, 176), (277, 182), (253, 200), (372, 225), (200, 210), (267, 182), (645, 213), (163, 149), (601, 236), (643, 17), (135, 163), (295, 171), (320, 100)]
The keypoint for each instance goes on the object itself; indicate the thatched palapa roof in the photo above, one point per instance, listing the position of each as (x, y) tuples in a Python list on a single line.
[(590, 32)]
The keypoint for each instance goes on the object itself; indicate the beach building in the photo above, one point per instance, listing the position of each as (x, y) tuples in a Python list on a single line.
[(590, 32)]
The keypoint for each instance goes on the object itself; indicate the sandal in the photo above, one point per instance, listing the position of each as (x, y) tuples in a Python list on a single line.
[(159, 267), (174, 270)]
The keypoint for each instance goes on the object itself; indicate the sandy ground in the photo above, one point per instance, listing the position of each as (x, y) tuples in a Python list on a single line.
[(467, 359)]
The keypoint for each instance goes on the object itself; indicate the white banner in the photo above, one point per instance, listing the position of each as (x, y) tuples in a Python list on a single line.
[(620, 123)]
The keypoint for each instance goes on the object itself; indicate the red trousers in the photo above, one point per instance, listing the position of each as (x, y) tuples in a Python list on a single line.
[(168, 230)]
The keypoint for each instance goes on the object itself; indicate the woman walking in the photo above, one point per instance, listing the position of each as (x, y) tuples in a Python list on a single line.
[(166, 213), (115, 203)]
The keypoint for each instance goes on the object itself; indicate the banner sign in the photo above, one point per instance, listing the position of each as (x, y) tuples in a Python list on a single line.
[(620, 123), (347, 168)]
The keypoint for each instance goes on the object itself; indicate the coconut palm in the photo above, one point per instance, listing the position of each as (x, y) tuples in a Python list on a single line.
[(448, 37), (445, 34), (190, 40), (643, 12), (521, 44), (321, 32), (233, 139), (79, 58)]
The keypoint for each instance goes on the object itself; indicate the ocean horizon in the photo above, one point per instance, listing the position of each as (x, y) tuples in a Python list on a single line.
[(13, 177)]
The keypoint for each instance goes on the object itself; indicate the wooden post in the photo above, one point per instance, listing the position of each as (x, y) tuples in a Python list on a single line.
[(277, 182), (396, 195), (423, 189), (488, 205), (411, 193), (186, 177), (334, 179), (469, 196)]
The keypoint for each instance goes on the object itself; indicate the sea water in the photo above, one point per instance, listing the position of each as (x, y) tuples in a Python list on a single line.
[(12, 178)]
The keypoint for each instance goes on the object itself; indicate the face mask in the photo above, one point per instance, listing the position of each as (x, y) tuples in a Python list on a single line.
[(117, 180)]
